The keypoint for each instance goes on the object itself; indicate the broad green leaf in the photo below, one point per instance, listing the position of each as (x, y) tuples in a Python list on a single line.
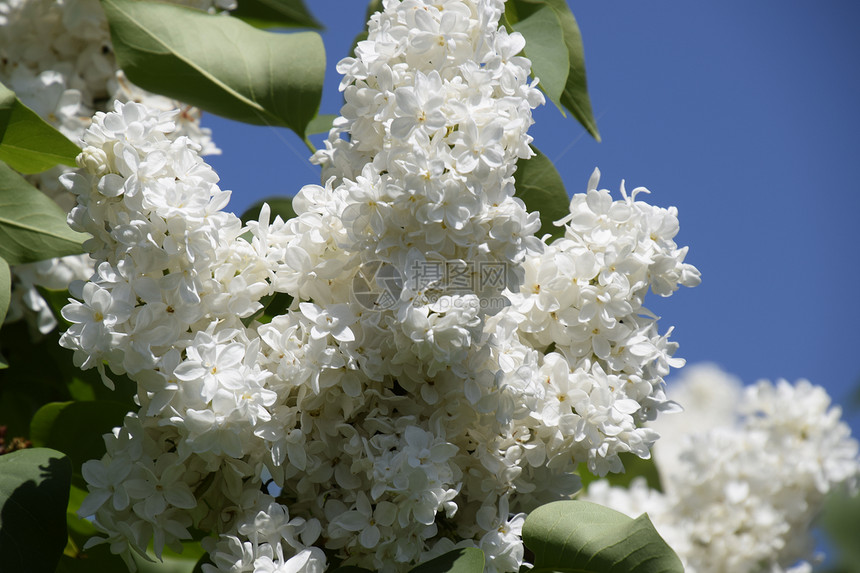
[(276, 14), (575, 94), (584, 537), (76, 429), (320, 124), (467, 560), (32, 227), (282, 206), (634, 467), (221, 65), (34, 494), (28, 143), (350, 569), (545, 47), (540, 187)]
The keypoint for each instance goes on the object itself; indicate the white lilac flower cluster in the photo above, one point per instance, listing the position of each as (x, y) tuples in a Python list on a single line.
[(56, 55), (440, 369), (744, 473)]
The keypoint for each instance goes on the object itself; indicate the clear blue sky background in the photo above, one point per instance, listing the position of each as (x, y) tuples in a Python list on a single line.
[(743, 115)]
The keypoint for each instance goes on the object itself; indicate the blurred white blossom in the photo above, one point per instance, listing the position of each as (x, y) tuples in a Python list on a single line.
[(744, 473)]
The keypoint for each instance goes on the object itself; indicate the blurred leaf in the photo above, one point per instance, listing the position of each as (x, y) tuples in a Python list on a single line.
[(634, 467), (34, 494), (32, 227), (43, 422), (320, 124), (221, 65), (467, 560), (841, 521), (276, 14), (540, 187), (28, 143), (584, 537), (76, 429), (545, 46)]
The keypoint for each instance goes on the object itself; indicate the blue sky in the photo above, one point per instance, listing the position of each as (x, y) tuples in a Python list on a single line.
[(744, 116)]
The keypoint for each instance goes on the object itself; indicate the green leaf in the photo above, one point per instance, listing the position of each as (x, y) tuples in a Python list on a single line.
[(43, 422), (545, 47), (76, 429), (584, 537), (28, 143), (466, 560), (221, 65), (320, 124), (282, 206), (841, 521), (634, 467), (276, 14), (575, 94), (32, 227), (34, 494), (540, 187)]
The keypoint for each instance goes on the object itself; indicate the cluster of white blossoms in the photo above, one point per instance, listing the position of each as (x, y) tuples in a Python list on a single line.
[(439, 371), (744, 473), (56, 55)]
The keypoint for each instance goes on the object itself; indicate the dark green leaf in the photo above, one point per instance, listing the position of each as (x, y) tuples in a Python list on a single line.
[(634, 467), (221, 65), (276, 14), (584, 537), (350, 569), (467, 560), (545, 47), (34, 494), (43, 423), (282, 206), (540, 187), (575, 95), (32, 227), (76, 429), (204, 560), (27, 143)]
